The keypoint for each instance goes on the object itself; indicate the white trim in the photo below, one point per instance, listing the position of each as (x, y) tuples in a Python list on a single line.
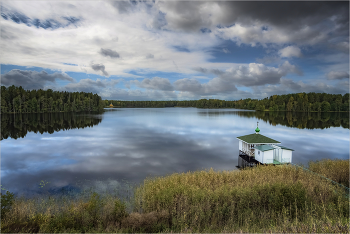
[(257, 143)]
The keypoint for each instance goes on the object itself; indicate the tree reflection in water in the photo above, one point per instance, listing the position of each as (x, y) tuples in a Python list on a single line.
[(301, 120), (18, 125)]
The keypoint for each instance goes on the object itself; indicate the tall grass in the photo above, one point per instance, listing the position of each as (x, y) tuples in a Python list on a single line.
[(252, 200), (337, 170), (261, 199)]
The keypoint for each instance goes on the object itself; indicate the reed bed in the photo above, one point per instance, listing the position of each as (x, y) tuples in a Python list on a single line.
[(253, 200), (262, 199), (337, 170)]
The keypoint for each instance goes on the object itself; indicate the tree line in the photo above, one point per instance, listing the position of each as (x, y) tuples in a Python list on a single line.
[(17, 100), (298, 102)]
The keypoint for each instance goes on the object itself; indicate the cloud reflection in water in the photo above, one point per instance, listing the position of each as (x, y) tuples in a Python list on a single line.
[(133, 144)]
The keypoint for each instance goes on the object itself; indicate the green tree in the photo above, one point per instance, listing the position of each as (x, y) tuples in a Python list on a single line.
[(325, 106), (290, 104)]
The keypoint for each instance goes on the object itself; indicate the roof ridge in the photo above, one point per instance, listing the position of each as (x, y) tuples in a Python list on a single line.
[(257, 138)]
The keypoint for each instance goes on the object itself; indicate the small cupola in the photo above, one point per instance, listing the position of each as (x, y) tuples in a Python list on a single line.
[(257, 130)]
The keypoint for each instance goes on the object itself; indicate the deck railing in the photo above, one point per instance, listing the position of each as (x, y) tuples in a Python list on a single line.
[(250, 152), (247, 152)]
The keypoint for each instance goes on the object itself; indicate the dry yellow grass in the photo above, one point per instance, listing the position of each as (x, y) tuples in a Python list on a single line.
[(337, 170), (252, 198), (263, 199)]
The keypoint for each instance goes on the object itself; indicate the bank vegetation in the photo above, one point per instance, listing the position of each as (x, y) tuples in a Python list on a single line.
[(262, 199)]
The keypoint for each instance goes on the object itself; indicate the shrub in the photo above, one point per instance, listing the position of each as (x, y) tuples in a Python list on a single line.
[(7, 200)]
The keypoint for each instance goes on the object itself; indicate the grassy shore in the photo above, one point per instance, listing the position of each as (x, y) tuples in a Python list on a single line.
[(262, 199)]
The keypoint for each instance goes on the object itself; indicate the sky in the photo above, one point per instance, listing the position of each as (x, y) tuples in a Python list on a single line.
[(176, 50)]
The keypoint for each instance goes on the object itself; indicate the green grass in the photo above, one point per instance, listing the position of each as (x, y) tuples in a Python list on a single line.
[(262, 199)]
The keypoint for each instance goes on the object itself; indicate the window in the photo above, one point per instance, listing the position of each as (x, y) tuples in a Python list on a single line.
[(259, 152)]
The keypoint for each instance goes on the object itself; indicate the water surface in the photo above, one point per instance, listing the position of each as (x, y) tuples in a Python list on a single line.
[(132, 144)]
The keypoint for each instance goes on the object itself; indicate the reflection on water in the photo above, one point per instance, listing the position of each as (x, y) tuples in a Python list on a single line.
[(298, 120), (17, 125), (132, 144)]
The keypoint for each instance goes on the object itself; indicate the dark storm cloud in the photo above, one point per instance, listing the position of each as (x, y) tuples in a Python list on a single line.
[(283, 14), (292, 22), (99, 67), (109, 53), (337, 75), (184, 15), (31, 79)]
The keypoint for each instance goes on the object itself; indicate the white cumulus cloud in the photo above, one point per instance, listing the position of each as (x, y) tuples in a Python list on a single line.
[(290, 51)]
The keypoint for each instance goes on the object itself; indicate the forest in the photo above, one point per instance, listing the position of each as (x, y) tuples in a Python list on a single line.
[(17, 100), (298, 102)]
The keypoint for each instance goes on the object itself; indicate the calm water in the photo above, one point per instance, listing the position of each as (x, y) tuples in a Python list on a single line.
[(132, 144)]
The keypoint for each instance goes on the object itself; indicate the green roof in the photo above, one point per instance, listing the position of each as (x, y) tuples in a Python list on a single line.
[(264, 147), (257, 138), (285, 148)]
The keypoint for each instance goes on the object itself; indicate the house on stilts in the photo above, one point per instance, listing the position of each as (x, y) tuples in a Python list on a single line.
[(258, 149)]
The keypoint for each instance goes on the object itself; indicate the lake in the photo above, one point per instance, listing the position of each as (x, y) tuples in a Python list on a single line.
[(68, 150)]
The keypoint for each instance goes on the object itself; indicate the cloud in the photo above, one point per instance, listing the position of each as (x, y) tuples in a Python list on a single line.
[(32, 79), (342, 46), (186, 16), (255, 34), (156, 83), (101, 26), (137, 95), (109, 53), (123, 6), (261, 22), (99, 67), (49, 23), (88, 85), (337, 75), (254, 74), (226, 51), (145, 34), (269, 59), (188, 85), (149, 56), (290, 51), (289, 86), (215, 86)]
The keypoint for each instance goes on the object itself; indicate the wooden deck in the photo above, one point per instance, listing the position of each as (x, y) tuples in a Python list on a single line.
[(245, 160)]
